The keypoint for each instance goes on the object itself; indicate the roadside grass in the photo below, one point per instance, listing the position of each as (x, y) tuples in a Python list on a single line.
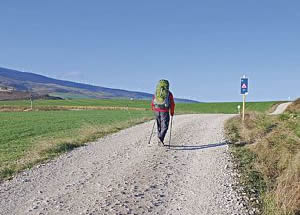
[(267, 149), (295, 106), (28, 138), (92, 104)]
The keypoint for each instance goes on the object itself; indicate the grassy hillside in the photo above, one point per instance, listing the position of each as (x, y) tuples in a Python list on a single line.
[(24, 81), (30, 82), (270, 160)]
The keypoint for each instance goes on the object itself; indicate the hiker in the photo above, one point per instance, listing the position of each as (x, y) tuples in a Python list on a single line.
[(163, 105)]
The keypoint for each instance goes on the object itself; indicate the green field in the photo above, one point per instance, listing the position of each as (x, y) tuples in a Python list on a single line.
[(226, 107), (27, 138), (81, 102)]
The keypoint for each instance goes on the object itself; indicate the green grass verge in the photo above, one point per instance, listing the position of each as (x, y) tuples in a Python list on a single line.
[(253, 179)]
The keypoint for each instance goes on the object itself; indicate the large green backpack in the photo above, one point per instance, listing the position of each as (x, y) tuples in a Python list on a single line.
[(162, 98)]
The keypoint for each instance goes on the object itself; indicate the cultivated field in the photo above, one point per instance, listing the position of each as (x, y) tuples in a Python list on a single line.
[(30, 137), (226, 107)]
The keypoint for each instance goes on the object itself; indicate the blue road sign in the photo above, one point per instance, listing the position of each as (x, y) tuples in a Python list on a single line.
[(244, 86)]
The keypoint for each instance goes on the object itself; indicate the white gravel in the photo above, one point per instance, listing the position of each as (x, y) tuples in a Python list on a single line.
[(122, 174)]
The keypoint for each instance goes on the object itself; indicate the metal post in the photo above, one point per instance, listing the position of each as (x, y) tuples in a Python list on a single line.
[(31, 102), (244, 92), (244, 101)]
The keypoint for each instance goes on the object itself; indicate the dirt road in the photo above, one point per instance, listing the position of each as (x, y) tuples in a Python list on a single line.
[(122, 174), (281, 108)]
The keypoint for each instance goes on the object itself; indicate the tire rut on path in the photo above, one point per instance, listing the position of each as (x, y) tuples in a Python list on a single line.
[(122, 174)]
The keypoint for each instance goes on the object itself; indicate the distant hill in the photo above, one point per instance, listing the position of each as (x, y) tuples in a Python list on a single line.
[(21, 95), (42, 85)]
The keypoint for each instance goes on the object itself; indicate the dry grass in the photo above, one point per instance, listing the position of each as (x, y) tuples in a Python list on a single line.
[(275, 142), (295, 106), (287, 192), (255, 127), (13, 109), (60, 108)]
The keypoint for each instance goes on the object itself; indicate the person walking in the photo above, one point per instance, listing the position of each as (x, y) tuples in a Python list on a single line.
[(163, 105)]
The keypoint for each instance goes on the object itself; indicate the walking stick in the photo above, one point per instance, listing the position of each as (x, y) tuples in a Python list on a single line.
[(152, 132), (171, 132)]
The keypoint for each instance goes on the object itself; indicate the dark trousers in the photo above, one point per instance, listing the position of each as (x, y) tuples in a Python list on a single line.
[(162, 120)]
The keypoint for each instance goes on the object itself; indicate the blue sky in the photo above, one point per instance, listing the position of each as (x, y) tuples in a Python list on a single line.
[(202, 47)]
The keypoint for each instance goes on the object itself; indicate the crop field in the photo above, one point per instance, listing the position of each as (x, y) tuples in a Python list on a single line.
[(80, 102), (226, 107), (30, 137)]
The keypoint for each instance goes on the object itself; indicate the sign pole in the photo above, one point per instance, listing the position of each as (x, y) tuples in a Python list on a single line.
[(244, 92), (244, 101), (31, 102)]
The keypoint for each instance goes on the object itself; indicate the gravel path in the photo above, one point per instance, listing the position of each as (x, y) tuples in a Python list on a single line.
[(122, 174), (281, 108)]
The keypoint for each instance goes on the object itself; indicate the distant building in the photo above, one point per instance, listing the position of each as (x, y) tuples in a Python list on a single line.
[(6, 89)]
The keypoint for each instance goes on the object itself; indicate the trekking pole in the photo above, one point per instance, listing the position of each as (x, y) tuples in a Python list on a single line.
[(152, 132), (171, 132)]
